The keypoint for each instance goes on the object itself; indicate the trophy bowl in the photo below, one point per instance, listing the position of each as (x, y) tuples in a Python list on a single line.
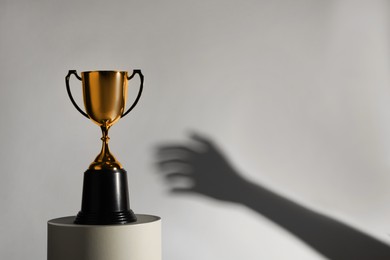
[(105, 192), (105, 95)]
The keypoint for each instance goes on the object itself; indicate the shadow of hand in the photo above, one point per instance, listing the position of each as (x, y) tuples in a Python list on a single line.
[(206, 167), (212, 175)]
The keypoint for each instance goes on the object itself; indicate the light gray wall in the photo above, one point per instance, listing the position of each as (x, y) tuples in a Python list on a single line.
[(297, 93)]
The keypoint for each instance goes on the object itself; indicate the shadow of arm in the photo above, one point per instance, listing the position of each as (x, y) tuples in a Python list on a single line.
[(330, 237), (213, 176)]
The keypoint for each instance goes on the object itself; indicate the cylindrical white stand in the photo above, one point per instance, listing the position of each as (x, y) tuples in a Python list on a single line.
[(140, 240)]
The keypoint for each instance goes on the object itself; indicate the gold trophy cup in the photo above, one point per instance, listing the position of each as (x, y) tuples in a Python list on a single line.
[(105, 192)]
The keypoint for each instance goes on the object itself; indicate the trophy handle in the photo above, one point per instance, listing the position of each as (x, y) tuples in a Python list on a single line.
[(139, 92), (70, 94)]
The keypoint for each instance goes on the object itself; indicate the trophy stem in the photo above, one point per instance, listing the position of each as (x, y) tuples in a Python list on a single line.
[(105, 149), (105, 160)]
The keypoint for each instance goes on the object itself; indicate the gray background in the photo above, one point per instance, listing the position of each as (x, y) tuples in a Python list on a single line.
[(297, 93)]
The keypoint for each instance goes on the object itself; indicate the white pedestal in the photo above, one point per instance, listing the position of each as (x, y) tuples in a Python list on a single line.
[(140, 240)]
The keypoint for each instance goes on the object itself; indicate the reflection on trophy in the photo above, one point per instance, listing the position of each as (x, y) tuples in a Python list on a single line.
[(105, 194)]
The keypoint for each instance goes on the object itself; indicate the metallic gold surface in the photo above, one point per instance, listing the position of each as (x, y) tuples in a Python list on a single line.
[(105, 94)]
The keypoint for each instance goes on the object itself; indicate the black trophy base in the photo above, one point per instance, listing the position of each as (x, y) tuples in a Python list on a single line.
[(105, 199), (103, 218)]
